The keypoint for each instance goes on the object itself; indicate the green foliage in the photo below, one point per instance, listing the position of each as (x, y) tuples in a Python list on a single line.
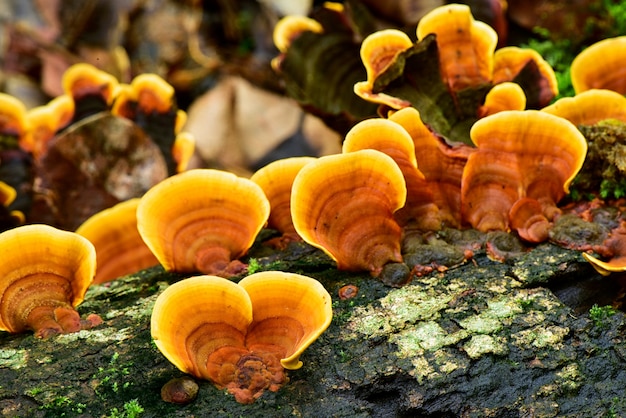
[(599, 314), (253, 266), (112, 378), (131, 409), (61, 406), (613, 188)]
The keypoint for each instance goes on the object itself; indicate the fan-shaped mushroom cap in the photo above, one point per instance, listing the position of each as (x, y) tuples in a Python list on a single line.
[(601, 66), (286, 301), (83, 78), (44, 275), (240, 336), (183, 149), (590, 107), (202, 220), (150, 93), (503, 96), (289, 27), (13, 121), (441, 164), (344, 205), (616, 245), (520, 154), (378, 51), (511, 60), (466, 46), (276, 180), (119, 247), (392, 139)]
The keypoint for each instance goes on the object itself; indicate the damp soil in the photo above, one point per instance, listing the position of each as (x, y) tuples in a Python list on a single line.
[(529, 336)]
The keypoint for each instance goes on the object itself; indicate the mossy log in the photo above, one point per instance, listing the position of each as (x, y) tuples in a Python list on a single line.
[(484, 339)]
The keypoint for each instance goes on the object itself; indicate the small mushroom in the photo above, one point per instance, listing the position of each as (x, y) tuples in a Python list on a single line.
[(616, 246), (392, 139), (150, 102), (466, 46), (91, 89), (344, 205), (378, 51), (276, 180), (119, 247), (590, 107), (202, 220), (240, 336), (521, 154), (442, 164), (8, 218), (503, 96), (600, 66), (290, 27), (44, 275), (512, 63)]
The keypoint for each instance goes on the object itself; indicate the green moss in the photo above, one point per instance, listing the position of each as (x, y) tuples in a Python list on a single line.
[(599, 315)]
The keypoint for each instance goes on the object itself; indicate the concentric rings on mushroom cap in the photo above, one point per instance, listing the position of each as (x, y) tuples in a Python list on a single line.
[(201, 217)]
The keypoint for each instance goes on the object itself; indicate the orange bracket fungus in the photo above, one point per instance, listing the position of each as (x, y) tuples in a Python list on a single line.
[(441, 163), (119, 247), (8, 218), (503, 96), (526, 67), (344, 204), (590, 107), (150, 102), (240, 336), (92, 89), (276, 180), (616, 246), (601, 66), (523, 166), (392, 139), (449, 70), (202, 220), (466, 46), (44, 275), (15, 162)]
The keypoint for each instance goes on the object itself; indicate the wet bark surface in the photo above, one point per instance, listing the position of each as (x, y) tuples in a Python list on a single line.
[(484, 339)]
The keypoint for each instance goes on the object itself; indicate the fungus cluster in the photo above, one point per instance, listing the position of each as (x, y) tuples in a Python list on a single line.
[(240, 336)]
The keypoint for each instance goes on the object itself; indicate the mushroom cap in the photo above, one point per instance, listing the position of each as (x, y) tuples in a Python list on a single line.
[(289, 27), (119, 247), (276, 179), (503, 96), (344, 205), (519, 154), (182, 150), (616, 244), (211, 327), (194, 317), (42, 267), (542, 137), (7, 194), (378, 51), (600, 66), (13, 121), (290, 311), (441, 164), (392, 139), (83, 79), (466, 46), (590, 107), (199, 217), (510, 61)]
